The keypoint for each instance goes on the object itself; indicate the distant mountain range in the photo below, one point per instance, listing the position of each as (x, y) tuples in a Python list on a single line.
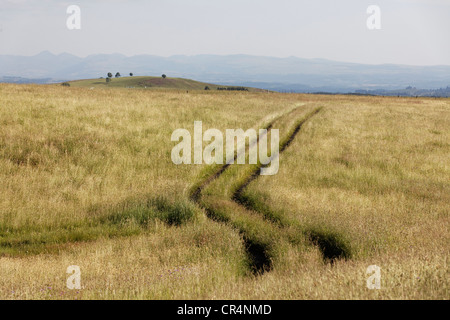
[(280, 74)]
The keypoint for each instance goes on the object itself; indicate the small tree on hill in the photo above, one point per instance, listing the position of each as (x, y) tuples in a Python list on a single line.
[(108, 80), (109, 75), (118, 75), (131, 74), (164, 76)]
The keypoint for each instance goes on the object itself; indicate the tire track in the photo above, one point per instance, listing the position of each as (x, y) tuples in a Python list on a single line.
[(195, 193), (331, 246), (257, 251), (283, 146)]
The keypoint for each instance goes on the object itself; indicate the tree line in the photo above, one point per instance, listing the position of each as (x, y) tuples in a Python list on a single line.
[(118, 75)]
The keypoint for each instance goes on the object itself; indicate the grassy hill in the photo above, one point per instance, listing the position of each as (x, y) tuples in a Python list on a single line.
[(145, 82)]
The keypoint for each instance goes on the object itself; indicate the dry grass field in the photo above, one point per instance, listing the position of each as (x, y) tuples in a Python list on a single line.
[(87, 179)]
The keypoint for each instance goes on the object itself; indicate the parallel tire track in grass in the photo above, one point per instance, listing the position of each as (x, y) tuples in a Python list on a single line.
[(330, 244), (258, 245), (196, 191), (283, 147)]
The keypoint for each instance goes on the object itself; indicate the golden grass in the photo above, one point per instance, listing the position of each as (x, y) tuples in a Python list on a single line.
[(80, 169), (374, 172)]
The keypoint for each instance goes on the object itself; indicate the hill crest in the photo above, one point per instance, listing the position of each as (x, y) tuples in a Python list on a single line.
[(149, 82)]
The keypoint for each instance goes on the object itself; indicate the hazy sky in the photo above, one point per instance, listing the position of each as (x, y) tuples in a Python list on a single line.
[(413, 32)]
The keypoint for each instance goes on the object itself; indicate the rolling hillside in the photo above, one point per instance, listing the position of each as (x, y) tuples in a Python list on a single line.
[(145, 82)]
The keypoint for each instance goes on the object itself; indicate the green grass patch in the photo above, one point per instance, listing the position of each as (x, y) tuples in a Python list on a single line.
[(174, 213), (130, 217)]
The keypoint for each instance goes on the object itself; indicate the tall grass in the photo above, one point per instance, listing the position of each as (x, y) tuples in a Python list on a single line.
[(87, 179)]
